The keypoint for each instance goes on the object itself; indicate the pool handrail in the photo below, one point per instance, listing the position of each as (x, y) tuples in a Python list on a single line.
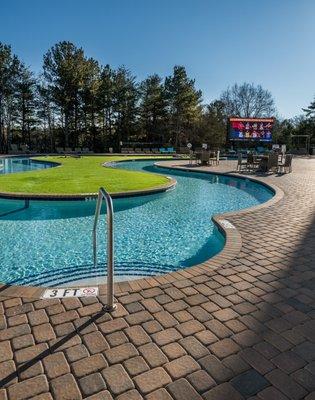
[(103, 194)]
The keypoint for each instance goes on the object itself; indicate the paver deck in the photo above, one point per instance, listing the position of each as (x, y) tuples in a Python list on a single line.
[(245, 330)]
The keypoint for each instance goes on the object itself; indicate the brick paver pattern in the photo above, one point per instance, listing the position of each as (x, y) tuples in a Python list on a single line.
[(244, 330)]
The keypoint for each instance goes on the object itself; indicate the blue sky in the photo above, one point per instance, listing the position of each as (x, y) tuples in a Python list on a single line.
[(268, 42)]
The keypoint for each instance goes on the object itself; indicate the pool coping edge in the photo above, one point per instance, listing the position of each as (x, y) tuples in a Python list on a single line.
[(232, 247)]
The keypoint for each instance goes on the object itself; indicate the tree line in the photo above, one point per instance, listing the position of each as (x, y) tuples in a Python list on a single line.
[(77, 102)]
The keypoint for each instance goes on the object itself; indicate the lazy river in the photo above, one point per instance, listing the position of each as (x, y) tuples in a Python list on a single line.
[(49, 243)]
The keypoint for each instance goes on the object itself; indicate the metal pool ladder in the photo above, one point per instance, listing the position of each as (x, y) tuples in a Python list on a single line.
[(103, 194)]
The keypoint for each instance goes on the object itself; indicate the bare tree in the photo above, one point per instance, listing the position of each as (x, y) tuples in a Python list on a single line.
[(248, 100)]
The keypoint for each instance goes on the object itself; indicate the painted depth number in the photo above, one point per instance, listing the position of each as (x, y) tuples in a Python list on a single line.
[(73, 292)]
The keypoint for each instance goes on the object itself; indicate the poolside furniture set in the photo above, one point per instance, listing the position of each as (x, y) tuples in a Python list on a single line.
[(205, 157), (273, 162)]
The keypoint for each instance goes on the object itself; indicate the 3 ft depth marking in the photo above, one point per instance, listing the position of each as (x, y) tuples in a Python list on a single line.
[(71, 292)]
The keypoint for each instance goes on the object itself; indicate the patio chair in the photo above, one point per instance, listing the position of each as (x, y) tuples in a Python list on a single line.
[(216, 159), (205, 157), (240, 162), (287, 164), (252, 162), (192, 157), (197, 155), (272, 163)]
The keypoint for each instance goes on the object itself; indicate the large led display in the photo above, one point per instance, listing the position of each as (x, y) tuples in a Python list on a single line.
[(259, 129)]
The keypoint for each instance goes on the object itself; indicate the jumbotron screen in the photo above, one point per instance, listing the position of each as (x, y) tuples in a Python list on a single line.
[(259, 129)]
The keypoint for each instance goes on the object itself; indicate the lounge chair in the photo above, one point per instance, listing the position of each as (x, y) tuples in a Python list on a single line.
[(155, 151), (24, 149), (286, 165), (261, 150), (14, 149), (126, 150), (86, 150), (60, 150), (184, 150)]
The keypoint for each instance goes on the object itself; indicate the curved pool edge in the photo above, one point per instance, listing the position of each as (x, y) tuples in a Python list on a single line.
[(88, 196), (31, 157), (278, 193), (232, 247)]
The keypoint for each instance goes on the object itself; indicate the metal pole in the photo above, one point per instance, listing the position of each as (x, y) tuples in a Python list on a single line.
[(110, 306), (110, 253), (96, 218)]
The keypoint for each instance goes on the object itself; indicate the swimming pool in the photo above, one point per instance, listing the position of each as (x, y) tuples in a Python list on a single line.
[(49, 243), (9, 165)]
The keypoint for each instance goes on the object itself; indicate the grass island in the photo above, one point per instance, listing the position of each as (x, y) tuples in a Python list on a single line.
[(75, 176)]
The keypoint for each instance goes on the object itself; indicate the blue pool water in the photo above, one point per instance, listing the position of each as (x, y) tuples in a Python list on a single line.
[(21, 164), (50, 243)]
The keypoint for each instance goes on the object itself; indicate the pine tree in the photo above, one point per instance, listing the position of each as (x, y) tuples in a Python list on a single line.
[(105, 98), (212, 129), (89, 99), (125, 99), (26, 86), (310, 110), (183, 104), (46, 112), (64, 73), (9, 75), (152, 109)]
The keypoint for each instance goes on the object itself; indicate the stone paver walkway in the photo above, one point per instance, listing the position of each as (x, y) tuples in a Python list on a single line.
[(243, 331)]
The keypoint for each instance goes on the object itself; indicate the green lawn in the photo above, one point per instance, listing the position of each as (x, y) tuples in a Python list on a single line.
[(79, 175)]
